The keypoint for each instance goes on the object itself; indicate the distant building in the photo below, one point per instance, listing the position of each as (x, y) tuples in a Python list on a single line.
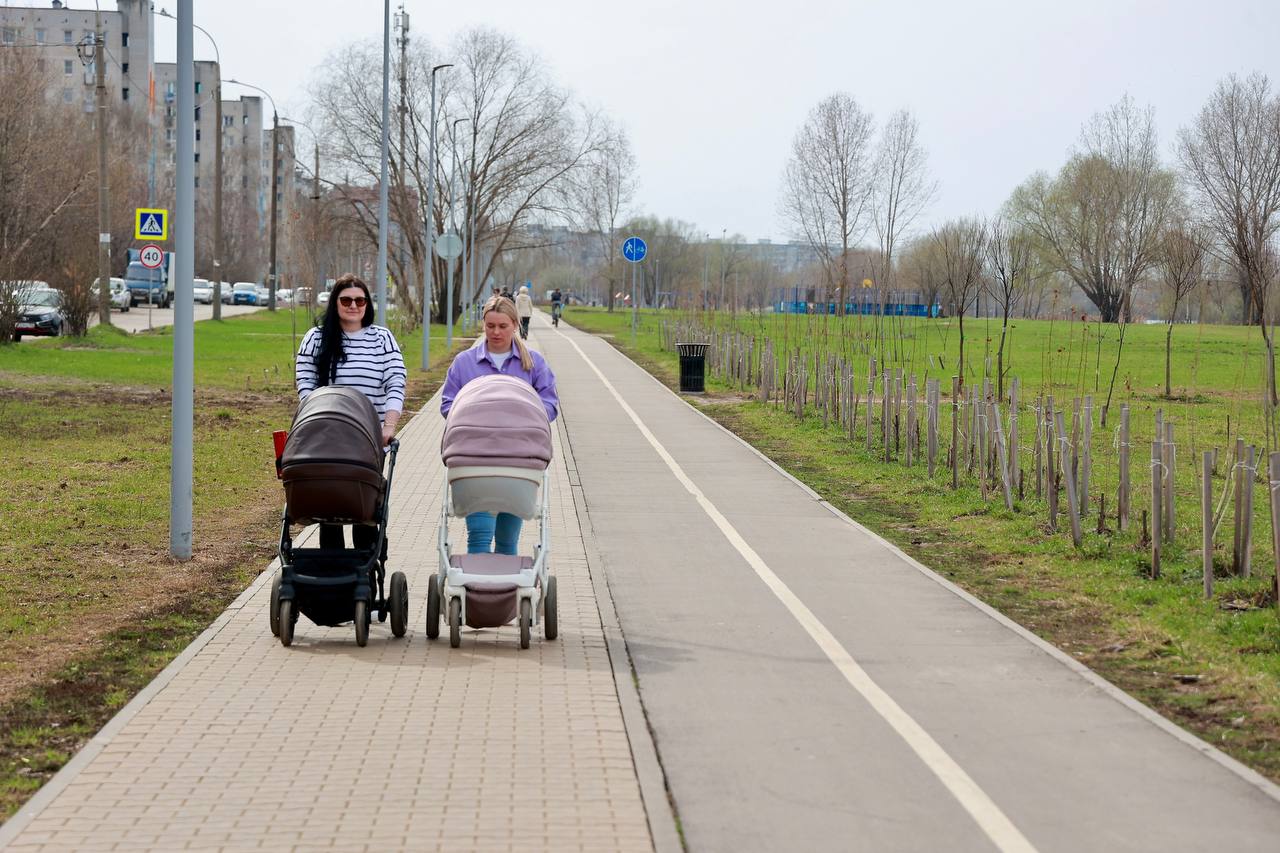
[(49, 36)]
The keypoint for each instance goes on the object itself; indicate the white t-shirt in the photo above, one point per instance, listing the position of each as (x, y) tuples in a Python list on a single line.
[(500, 358)]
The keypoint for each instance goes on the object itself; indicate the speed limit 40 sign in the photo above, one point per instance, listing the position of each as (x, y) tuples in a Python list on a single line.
[(151, 256)]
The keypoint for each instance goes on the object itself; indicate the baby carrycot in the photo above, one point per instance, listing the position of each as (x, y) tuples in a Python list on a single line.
[(332, 466), (496, 445)]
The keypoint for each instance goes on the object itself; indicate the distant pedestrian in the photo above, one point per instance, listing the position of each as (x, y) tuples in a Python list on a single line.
[(506, 291), (348, 349), (524, 308)]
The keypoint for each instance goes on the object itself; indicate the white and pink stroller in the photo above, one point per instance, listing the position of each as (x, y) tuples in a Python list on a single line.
[(496, 446)]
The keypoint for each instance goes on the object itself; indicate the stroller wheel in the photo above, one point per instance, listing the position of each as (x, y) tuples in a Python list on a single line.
[(362, 623), (286, 622), (273, 614), (399, 604), (433, 607), (455, 622), (549, 627), (526, 622)]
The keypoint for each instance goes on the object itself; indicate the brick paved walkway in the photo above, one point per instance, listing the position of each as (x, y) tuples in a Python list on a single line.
[(404, 744)]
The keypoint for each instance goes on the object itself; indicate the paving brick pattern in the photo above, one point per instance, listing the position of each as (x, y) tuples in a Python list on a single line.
[(404, 744)]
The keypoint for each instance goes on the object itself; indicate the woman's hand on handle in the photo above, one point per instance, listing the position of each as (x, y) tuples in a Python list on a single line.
[(389, 427)]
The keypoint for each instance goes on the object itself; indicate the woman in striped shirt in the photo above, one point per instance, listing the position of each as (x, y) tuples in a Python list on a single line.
[(348, 349)]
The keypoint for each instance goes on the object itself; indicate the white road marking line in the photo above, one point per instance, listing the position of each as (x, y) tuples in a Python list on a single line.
[(972, 798)]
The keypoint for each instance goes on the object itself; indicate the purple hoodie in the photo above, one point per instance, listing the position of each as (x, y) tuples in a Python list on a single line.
[(476, 362)]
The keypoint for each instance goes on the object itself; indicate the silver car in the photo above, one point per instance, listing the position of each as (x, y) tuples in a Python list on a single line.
[(202, 291), (120, 296)]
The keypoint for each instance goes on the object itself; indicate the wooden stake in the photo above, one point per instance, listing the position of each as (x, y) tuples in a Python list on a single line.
[(1238, 474), (1206, 521), (1157, 500), (1273, 482), (1246, 541), (1086, 460), (1005, 478), (1015, 465), (1170, 468), (932, 395), (955, 432), (1073, 506), (1123, 496)]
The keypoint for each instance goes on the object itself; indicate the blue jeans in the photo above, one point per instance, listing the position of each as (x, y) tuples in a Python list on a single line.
[(482, 527)]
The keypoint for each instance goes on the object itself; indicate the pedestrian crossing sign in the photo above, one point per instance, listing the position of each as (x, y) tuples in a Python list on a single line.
[(151, 223)]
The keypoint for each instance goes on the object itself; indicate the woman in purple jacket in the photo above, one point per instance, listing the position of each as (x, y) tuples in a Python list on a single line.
[(500, 350)]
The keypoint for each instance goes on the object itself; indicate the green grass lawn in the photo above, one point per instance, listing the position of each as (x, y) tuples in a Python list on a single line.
[(95, 604), (1213, 666)]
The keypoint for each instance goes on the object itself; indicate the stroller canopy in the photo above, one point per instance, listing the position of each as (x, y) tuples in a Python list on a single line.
[(497, 421), (332, 461)]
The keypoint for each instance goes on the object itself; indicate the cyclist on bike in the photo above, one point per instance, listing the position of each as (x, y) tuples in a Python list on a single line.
[(557, 304)]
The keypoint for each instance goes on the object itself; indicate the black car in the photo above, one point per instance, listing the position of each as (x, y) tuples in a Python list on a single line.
[(41, 314)]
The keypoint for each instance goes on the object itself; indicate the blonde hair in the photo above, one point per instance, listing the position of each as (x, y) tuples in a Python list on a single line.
[(507, 308)]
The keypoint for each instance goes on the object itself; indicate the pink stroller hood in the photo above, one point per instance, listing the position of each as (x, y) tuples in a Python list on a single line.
[(497, 421)]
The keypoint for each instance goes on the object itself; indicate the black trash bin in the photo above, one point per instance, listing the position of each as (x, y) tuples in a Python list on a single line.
[(693, 367)]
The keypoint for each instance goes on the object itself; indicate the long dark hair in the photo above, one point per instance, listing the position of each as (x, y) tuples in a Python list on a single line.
[(331, 354)]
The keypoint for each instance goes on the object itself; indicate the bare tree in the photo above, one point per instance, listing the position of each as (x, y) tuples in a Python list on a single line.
[(828, 184), (903, 187), (1182, 267), (522, 140), (920, 264), (961, 244), (1009, 261), (1100, 219), (602, 191), (1230, 157)]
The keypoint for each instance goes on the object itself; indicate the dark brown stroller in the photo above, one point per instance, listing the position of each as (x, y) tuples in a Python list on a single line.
[(332, 465)]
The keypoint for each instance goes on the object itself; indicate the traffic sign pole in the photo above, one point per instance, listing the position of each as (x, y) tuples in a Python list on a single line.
[(634, 250)]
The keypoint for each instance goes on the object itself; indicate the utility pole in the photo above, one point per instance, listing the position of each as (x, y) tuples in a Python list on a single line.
[(104, 212), (402, 21), (427, 284), (382, 183), (275, 171)]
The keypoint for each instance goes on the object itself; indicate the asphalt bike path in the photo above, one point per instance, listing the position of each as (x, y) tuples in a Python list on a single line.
[(808, 686)]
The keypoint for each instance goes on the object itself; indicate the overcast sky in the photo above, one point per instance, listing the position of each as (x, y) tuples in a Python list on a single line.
[(711, 91)]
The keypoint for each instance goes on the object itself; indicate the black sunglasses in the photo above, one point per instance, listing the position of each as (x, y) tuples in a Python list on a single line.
[(348, 301)]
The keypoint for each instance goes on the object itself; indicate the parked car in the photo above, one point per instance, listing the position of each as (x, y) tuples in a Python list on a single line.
[(202, 291), (41, 314), (226, 292), (264, 295), (303, 296), (244, 293), (323, 299), (284, 296), (120, 296)]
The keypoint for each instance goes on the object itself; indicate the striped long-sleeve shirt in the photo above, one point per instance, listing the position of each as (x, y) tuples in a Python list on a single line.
[(372, 364)]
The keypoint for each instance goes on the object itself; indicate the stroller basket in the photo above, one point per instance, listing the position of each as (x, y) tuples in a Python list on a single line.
[(332, 460)]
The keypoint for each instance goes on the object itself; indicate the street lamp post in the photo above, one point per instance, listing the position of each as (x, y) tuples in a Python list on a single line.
[(453, 173), (217, 177), (428, 268), (275, 170)]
